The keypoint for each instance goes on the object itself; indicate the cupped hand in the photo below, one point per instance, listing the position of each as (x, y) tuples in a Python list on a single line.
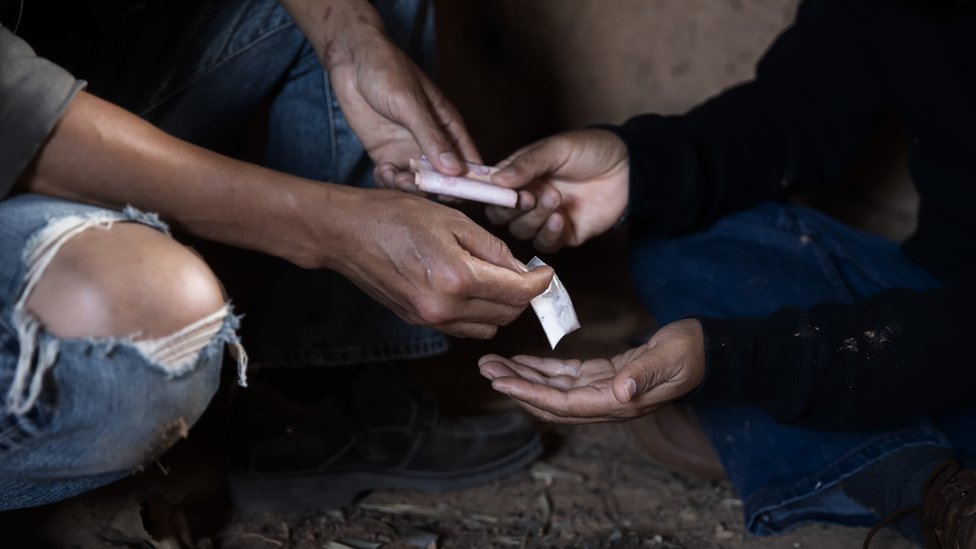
[(396, 111), (629, 385), (433, 266), (578, 183)]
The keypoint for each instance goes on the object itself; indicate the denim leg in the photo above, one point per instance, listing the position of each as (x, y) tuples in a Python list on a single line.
[(748, 265), (232, 58), (329, 320), (79, 413)]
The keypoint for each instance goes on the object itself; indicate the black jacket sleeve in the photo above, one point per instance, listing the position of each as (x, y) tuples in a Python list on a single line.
[(800, 124), (899, 354)]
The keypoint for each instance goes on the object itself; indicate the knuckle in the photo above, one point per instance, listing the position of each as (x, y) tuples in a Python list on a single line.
[(433, 311), (486, 332), (452, 282)]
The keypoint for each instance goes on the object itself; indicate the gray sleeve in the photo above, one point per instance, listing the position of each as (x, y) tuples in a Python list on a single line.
[(34, 93)]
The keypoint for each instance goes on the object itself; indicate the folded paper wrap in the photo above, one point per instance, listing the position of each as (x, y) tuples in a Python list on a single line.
[(554, 308)]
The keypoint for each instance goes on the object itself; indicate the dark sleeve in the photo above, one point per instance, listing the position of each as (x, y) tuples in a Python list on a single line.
[(34, 93), (801, 123), (899, 354)]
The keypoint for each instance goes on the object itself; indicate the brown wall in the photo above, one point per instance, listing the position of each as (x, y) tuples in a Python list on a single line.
[(518, 69), (522, 69)]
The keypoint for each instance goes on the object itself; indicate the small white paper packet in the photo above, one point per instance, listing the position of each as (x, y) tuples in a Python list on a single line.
[(554, 308)]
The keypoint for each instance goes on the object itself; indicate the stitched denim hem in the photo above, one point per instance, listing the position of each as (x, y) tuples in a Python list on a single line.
[(778, 510)]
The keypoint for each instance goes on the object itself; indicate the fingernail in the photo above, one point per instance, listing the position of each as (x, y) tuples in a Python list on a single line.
[(507, 173), (387, 177), (449, 160), (631, 387), (550, 200)]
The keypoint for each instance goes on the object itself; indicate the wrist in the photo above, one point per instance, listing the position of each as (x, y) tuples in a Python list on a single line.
[(327, 221)]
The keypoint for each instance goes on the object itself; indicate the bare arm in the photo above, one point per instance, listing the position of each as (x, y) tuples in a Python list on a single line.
[(101, 154), (428, 263)]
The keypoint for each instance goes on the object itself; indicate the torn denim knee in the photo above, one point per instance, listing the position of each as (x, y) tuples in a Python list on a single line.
[(175, 354)]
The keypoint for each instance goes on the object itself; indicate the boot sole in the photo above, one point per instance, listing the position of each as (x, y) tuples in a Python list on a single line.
[(308, 490)]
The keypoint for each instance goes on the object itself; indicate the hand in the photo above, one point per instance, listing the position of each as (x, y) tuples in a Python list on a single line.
[(624, 387), (433, 266), (396, 111), (579, 188)]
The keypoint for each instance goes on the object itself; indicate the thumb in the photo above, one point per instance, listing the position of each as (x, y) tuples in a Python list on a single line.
[(487, 247), (432, 139), (533, 162), (636, 378)]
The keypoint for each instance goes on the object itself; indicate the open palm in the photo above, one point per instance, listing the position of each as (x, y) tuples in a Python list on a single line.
[(629, 385)]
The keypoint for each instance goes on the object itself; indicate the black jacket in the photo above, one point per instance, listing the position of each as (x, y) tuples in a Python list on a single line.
[(821, 91)]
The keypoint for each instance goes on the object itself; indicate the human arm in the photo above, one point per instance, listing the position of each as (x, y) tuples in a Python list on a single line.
[(894, 356), (798, 125), (391, 105), (428, 263)]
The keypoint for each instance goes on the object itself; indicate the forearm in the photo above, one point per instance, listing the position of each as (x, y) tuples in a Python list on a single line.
[(333, 27), (101, 154), (895, 355)]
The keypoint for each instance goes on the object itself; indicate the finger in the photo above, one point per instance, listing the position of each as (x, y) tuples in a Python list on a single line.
[(500, 286), (579, 402), (638, 377), (450, 119), (435, 143), (532, 164), (550, 366), (494, 366), (484, 311), (405, 181), (470, 330), (526, 373), (499, 276), (384, 174), (552, 235), (500, 215), (518, 152), (526, 226)]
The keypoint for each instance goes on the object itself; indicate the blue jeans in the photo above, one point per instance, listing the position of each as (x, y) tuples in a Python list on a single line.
[(748, 265), (61, 432)]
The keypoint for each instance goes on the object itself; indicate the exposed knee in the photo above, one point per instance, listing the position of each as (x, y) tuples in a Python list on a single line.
[(124, 281)]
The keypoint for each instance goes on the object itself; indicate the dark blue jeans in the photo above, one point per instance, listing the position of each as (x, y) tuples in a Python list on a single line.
[(748, 265)]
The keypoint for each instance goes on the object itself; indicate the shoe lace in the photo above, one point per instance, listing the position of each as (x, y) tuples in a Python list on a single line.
[(954, 505), (948, 509)]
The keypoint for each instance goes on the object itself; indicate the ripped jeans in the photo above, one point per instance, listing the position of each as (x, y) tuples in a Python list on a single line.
[(78, 414)]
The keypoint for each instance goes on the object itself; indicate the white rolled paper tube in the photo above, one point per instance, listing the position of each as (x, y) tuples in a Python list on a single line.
[(478, 172), (461, 187)]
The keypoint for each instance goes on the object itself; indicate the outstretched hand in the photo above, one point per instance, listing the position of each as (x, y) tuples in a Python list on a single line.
[(629, 385)]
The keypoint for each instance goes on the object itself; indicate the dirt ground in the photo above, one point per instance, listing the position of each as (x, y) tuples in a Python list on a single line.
[(591, 489)]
